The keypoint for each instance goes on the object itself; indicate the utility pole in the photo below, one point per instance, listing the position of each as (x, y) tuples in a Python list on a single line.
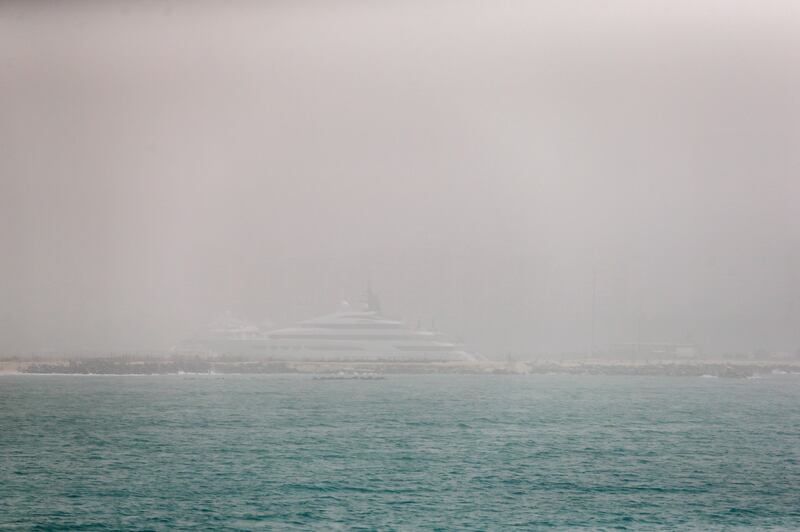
[(594, 310)]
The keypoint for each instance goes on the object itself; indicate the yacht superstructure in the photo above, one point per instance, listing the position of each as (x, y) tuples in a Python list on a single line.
[(347, 335), (364, 334)]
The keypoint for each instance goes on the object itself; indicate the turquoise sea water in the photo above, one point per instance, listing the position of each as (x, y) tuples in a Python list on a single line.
[(409, 452)]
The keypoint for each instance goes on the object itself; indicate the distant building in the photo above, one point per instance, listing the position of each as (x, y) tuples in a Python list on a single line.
[(228, 334)]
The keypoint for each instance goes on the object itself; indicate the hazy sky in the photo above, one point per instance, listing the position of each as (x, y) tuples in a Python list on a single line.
[(163, 161)]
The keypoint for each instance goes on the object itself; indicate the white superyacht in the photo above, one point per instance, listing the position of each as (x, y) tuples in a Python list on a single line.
[(346, 335)]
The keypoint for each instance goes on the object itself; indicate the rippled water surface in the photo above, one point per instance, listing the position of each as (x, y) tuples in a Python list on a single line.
[(408, 452)]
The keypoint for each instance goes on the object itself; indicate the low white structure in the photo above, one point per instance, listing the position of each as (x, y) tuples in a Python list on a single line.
[(655, 350), (228, 334)]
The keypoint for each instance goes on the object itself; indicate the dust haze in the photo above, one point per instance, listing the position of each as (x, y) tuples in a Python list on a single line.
[(520, 172)]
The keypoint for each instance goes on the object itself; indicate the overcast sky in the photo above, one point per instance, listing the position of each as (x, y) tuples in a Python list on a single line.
[(163, 161)]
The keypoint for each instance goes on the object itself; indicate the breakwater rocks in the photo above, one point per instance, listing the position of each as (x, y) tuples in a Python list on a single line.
[(698, 369), (166, 366), (110, 366)]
